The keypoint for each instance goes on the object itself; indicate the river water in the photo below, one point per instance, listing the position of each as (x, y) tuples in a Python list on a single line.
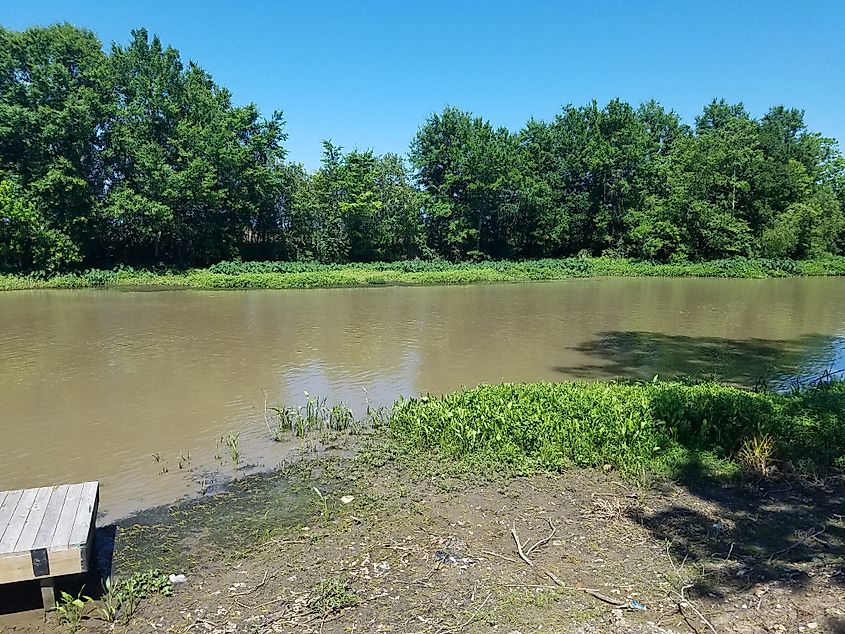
[(123, 386)]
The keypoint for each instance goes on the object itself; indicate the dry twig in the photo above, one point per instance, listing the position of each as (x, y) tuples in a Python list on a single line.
[(472, 617), (684, 602)]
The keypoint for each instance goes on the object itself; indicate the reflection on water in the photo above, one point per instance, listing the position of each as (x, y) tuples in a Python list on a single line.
[(751, 362), (93, 384)]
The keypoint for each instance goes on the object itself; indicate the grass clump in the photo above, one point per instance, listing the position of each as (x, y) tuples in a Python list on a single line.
[(330, 596), (122, 597), (664, 427), (247, 275)]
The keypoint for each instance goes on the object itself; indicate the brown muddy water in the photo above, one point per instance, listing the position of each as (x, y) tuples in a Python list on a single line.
[(95, 383)]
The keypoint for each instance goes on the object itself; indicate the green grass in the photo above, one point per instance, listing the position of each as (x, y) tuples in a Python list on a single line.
[(661, 427), (246, 275)]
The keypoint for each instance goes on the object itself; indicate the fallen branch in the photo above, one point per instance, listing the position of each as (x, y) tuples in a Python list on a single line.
[(493, 554), (593, 593), (243, 594), (541, 542), (199, 622), (684, 602), (522, 555)]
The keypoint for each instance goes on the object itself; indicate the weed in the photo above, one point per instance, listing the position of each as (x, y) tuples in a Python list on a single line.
[(757, 454), (315, 416), (112, 600), (421, 272), (130, 592), (71, 609), (324, 504), (330, 596), (231, 442), (637, 428)]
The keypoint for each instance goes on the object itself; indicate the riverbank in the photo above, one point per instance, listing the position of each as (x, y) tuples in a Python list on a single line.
[(281, 275), (409, 549), (476, 511)]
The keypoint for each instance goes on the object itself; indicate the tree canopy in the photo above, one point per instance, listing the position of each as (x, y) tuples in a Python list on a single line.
[(128, 155)]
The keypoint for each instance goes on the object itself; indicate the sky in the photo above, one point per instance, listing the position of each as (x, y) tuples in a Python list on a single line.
[(366, 74)]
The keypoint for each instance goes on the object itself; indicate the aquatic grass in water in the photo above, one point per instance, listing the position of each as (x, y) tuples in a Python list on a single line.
[(246, 275), (231, 442), (315, 416)]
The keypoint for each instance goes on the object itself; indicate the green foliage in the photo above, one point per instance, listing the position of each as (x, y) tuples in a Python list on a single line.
[(663, 426), (314, 416), (71, 609), (132, 156), (122, 597), (247, 275), (330, 596), (111, 601), (26, 241), (145, 584), (231, 441)]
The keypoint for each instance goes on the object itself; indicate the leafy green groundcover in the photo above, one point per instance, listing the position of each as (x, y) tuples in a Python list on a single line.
[(419, 272), (661, 426)]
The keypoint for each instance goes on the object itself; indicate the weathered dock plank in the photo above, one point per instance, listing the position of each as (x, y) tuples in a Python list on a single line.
[(7, 508), (35, 519), (16, 522), (46, 532), (44, 536)]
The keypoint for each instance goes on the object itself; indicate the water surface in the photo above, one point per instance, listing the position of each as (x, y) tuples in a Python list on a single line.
[(94, 383)]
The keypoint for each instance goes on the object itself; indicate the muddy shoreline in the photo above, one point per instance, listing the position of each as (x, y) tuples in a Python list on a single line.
[(411, 546)]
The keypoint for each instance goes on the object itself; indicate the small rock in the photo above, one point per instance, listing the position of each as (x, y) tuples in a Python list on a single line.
[(177, 578), (346, 499), (812, 625)]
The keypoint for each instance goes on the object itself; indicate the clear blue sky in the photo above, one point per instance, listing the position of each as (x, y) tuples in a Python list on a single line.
[(366, 74)]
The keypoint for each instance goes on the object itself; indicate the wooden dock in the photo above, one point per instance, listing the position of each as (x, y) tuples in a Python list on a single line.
[(46, 533)]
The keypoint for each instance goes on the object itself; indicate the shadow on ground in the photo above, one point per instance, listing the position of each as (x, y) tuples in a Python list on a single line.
[(766, 532), (737, 541), (642, 355)]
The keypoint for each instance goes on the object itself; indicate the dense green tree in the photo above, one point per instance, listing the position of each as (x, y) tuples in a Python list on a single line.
[(463, 163), (191, 176), (54, 101), (361, 207), (130, 156), (26, 240)]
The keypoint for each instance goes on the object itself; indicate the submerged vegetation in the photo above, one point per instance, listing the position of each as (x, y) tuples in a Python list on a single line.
[(246, 275), (661, 427), (129, 156)]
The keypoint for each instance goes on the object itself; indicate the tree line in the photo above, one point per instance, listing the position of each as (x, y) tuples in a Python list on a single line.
[(131, 156)]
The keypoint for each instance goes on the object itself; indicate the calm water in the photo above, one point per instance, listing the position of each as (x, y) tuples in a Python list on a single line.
[(93, 383)]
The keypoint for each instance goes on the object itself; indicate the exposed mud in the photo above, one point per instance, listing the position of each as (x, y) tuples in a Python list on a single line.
[(416, 552)]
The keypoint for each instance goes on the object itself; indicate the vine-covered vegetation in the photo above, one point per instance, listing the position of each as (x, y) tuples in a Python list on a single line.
[(130, 156)]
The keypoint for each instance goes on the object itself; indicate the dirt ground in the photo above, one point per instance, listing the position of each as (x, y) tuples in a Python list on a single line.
[(413, 552)]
